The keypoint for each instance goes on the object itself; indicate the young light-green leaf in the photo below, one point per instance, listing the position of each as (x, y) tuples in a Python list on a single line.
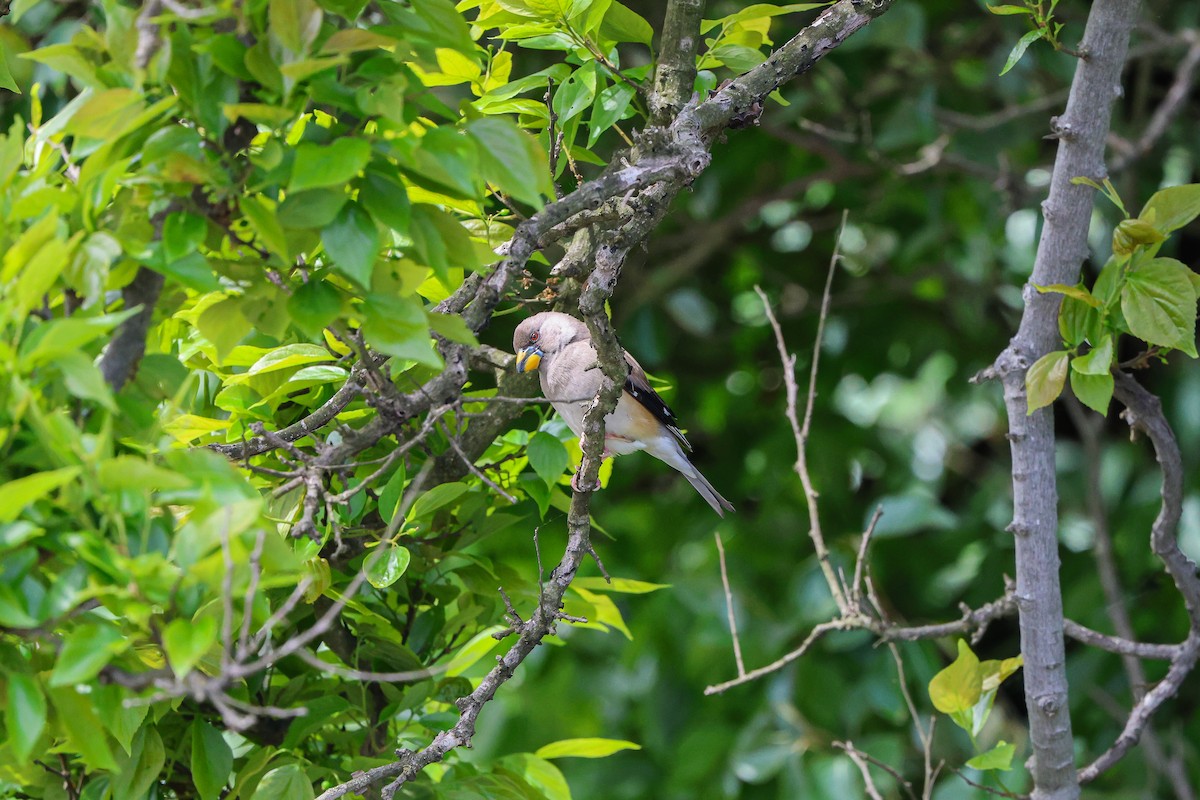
[(1098, 360), (1171, 208), (999, 757), (186, 641), (1094, 391), (387, 565), (957, 687), (85, 651), (24, 714), (1045, 380), (333, 164), (585, 748), (1159, 304), (1019, 49)]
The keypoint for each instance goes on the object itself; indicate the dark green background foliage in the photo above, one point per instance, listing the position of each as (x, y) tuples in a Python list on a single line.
[(300, 172)]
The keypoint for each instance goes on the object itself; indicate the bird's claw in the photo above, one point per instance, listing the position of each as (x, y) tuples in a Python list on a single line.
[(577, 485)]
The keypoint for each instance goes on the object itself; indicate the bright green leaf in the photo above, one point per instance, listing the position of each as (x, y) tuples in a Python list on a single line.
[(437, 497), (187, 641), (1159, 304), (547, 456), (284, 783), (25, 711), (1098, 360), (512, 160), (334, 164), (999, 757), (1171, 208), (386, 565), (957, 687), (1019, 49), (1045, 380), (584, 748), (1094, 391), (17, 495)]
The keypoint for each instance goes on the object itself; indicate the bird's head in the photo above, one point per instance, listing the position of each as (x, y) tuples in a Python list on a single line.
[(543, 335)]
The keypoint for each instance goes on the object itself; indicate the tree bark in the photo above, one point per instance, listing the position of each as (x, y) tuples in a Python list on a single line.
[(676, 72), (1082, 131)]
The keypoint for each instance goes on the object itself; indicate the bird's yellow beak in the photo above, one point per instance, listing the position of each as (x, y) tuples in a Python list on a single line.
[(528, 358)]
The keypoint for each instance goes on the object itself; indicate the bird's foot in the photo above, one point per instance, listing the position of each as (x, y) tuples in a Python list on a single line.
[(577, 484)]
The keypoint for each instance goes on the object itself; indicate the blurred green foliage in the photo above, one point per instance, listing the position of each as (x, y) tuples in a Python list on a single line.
[(302, 172)]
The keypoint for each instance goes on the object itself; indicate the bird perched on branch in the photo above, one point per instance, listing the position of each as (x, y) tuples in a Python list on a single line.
[(560, 348)]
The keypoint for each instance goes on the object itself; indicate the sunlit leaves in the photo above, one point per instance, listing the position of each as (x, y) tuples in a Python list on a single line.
[(1019, 49), (284, 783), (966, 689), (1045, 379), (328, 165), (512, 160), (585, 748)]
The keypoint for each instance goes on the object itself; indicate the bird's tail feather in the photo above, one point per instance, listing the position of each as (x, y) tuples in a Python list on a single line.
[(700, 484)]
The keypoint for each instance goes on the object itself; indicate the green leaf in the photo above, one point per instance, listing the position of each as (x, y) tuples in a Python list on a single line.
[(142, 767), (1171, 208), (957, 687), (335, 164), (1019, 49), (1078, 292), (621, 585), (1007, 11), (538, 773), (440, 495), (315, 305), (452, 327), (25, 711), (584, 748), (19, 494), (624, 25), (1159, 304), (264, 222), (393, 490), (212, 760), (1094, 391), (386, 199), (294, 23), (547, 456), (187, 641), (81, 727), (397, 326), (352, 241), (6, 78), (469, 654), (1076, 319), (284, 783), (610, 106), (387, 564), (312, 209), (1098, 360), (999, 757), (1045, 380), (182, 233), (512, 160), (85, 651)]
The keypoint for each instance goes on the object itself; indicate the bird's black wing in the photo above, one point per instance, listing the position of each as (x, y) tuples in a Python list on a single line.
[(639, 388)]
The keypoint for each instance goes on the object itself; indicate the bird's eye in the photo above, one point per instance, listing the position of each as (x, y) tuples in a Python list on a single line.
[(533, 337)]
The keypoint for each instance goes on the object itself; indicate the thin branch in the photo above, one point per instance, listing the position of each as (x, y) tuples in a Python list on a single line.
[(800, 431), (737, 644)]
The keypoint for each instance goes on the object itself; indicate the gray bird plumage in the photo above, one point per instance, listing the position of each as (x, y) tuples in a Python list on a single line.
[(560, 348)]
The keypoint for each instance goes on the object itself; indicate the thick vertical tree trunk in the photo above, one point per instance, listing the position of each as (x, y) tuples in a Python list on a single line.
[(1082, 130)]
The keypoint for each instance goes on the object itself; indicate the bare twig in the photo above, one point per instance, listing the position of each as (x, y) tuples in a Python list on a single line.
[(737, 644)]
